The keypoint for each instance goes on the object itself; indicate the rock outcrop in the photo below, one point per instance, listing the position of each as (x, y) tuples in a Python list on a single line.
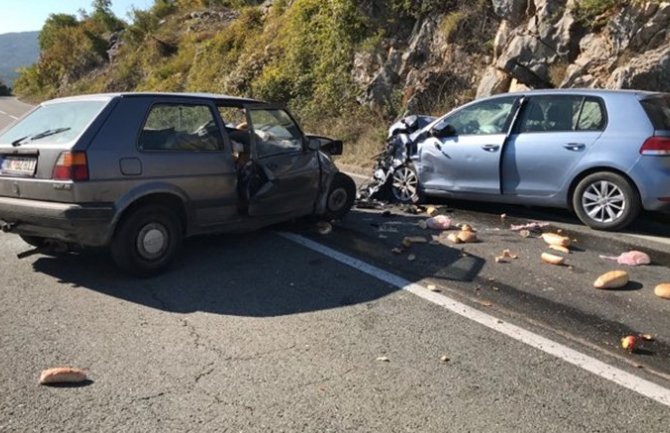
[(538, 44), (628, 47)]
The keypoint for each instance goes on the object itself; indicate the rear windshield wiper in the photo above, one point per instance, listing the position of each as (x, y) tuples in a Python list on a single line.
[(43, 134)]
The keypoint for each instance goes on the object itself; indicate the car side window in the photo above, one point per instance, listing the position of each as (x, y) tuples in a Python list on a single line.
[(275, 132), (181, 127), (592, 116), (487, 117), (562, 113)]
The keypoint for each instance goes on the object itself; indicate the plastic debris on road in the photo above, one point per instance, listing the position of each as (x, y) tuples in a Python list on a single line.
[(535, 225), (630, 258), (612, 280), (383, 359), (439, 222)]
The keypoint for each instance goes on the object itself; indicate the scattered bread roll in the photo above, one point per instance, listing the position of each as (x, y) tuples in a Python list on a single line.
[(612, 280), (467, 236), (62, 375), (453, 238), (663, 290), (556, 239), (559, 248), (552, 259)]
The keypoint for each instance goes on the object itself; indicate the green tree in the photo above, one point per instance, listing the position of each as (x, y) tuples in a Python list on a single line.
[(54, 24), (103, 15)]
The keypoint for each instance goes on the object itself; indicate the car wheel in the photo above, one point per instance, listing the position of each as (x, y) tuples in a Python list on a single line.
[(341, 196), (405, 184), (147, 240), (606, 201), (35, 241)]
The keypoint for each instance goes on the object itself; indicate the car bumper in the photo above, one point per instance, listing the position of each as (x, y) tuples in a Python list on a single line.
[(88, 225)]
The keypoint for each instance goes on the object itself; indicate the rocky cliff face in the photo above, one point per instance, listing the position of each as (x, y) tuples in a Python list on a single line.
[(518, 44), (542, 44)]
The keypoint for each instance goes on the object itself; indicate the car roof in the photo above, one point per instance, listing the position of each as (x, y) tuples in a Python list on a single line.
[(581, 91), (233, 100)]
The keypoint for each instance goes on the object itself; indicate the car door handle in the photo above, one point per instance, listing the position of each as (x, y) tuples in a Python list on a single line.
[(491, 147), (574, 146)]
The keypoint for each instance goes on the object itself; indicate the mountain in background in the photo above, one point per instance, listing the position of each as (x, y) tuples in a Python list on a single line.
[(17, 50)]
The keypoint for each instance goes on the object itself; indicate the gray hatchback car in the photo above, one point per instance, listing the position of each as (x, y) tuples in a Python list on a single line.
[(138, 172), (605, 154)]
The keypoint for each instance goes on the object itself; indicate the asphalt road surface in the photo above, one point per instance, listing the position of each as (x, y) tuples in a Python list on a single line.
[(288, 330)]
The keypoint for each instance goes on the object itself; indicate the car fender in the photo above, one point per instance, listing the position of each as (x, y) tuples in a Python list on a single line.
[(145, 190)]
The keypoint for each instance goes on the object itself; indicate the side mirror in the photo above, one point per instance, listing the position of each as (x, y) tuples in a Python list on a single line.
[(443, 129), (325, 144)]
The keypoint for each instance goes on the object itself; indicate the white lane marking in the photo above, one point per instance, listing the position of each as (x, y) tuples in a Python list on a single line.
[(620, 377), (14, 117), (2, 112)]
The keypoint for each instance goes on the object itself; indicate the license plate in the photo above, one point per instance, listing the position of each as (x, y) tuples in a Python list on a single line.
[(18, 166)]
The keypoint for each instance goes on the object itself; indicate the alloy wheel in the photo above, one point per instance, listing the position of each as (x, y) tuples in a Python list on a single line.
[(604, 201), (405, 184)]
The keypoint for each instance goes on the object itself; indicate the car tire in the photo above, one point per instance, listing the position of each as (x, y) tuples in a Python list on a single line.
[(606, 201), (341, 196), (147, 240), (404, 185), (35, 241)]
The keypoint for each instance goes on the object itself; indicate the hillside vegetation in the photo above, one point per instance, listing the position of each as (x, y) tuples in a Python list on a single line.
[(345, 67)]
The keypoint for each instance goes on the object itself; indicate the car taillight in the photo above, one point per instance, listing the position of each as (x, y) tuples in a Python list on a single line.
[(656, 146), (71, 166)]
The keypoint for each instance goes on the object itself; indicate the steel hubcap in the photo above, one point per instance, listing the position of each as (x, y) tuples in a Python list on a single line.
[(152, 241), (405, 184), (604, 201), (337, 199)]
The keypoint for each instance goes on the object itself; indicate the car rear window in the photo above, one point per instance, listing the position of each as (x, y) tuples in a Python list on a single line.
[(54, 123), (658, 110)]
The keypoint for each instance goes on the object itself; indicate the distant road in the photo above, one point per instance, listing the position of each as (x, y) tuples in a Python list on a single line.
[(10, 110)]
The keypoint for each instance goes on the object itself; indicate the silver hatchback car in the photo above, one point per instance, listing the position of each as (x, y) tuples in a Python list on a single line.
[(604, 154), (138, 172)]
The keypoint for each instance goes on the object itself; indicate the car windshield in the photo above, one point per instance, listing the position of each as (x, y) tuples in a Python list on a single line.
[(658, 110), (53, 123)]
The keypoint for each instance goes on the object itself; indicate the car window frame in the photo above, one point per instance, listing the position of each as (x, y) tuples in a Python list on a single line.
[(508, 122), (254, 145), (584, 97), (224, 142)]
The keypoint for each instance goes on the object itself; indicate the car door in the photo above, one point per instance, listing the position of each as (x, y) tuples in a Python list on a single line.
[(181, 147), (468, 159), (285, 173), (553, 134)]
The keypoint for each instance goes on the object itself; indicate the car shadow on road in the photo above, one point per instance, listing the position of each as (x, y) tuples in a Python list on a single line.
[(256, 274), (259, 274)]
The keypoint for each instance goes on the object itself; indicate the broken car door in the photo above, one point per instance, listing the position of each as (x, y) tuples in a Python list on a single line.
[(463, 152), (285, 178)]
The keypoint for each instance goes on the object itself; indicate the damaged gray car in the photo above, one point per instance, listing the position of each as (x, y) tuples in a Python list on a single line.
[(603, 154), (139, 172)]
